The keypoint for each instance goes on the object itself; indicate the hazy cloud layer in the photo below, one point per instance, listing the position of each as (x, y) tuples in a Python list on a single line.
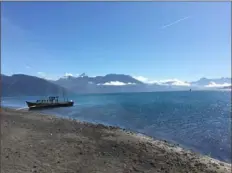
[(165, 82), (214, 85), (41, 73), (144, 79), (116, 83), (68, 74), (174, 82), (47, 76)]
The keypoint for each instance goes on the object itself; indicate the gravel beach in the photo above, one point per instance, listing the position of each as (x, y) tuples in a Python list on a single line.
[(33, 142)]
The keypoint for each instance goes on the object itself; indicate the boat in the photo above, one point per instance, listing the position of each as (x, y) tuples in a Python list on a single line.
[(51, 102)]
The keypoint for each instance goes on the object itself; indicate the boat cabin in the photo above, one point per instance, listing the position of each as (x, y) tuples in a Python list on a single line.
[(51, 99)]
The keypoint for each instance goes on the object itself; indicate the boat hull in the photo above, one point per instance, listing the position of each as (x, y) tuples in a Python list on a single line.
[(33, 105)]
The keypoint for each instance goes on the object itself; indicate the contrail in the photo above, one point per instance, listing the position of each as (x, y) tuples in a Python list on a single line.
[(175, 22)]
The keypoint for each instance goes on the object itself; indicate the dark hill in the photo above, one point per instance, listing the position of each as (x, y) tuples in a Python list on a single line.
[(25, 85)]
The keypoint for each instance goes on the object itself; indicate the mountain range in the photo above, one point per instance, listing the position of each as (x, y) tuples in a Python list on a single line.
[(25, 85), (206, 82)]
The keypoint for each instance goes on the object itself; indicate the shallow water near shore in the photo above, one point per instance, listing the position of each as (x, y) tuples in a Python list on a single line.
[(198, 120)]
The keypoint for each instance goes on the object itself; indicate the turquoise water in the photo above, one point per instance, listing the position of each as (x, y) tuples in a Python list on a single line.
[(198, 120)]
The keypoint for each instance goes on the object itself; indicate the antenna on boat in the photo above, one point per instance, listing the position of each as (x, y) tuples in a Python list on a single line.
[(63, 93)]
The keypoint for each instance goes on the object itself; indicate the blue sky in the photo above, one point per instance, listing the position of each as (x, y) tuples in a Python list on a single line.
[(156, 40)]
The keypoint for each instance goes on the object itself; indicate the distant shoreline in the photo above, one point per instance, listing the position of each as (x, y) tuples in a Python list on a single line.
[(109, 93), (35, 141)]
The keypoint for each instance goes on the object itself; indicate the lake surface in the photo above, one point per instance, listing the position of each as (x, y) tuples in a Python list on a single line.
[(198, 120)]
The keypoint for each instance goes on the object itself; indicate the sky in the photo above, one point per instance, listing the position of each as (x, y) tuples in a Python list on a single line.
[(148, 40)]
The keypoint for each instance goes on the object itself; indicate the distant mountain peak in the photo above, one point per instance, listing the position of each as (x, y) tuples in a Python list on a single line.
[(110, 83), (67, 77), (83, 75)]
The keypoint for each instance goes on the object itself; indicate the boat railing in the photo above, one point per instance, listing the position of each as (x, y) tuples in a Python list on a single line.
[(49, 100)]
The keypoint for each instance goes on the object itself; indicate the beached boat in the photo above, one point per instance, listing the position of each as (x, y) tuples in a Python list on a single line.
[(51, 102)]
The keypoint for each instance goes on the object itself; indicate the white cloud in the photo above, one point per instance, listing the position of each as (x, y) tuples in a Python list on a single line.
[(144, 79), (47, 76), (68, 74), (116, 83), (174, 82), (141, 78), (41, 73), (213, 84), (181, 83)]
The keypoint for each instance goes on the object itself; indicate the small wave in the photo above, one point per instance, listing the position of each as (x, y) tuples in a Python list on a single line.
[(21, 108)]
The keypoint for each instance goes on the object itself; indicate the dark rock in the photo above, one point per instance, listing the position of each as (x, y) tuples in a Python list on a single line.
[(222, 164), (152, 164)]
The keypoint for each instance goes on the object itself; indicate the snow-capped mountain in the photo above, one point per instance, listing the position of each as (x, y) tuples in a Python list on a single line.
[(109, 83)]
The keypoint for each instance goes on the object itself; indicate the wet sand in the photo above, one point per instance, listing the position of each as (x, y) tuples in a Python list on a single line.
[(33, 142)]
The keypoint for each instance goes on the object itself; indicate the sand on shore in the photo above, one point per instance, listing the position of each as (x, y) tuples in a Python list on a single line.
[(32, 142)]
